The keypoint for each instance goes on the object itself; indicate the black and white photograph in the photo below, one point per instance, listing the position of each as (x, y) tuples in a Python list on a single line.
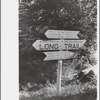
[(58, 49)]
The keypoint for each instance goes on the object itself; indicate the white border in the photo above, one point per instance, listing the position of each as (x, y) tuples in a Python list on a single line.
[(9, 50), (98, 61)]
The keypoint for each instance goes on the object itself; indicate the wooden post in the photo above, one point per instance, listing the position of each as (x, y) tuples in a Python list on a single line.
[(59, 74)]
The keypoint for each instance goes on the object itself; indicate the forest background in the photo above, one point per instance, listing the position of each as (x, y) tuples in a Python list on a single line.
[(38, 16)]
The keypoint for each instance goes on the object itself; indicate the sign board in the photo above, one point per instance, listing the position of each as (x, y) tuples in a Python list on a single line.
[(58, 55), (58, 44), (61, 34), (45, 45)]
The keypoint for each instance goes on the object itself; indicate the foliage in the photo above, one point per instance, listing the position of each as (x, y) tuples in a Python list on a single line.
[(70, 92), (35, 18)]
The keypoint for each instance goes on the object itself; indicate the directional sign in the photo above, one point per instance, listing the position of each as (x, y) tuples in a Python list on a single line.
[(58, 44), (58, 55), (45, 45), (61, 34)]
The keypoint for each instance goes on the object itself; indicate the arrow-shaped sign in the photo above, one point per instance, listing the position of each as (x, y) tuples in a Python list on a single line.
[(58, 55), (61, 34), (58, 44)]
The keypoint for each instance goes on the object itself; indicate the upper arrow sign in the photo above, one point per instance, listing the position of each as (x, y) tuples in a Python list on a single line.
[(61, 34), (58, 44), (58, 55)]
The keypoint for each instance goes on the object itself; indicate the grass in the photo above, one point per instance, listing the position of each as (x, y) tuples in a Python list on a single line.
[(90, 95), (71, 92)]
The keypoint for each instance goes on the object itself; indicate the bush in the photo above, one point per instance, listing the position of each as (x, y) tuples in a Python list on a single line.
[(69, 91)]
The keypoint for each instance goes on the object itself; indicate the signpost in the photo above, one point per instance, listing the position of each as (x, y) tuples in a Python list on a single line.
[(59, 74), (57, 55), (58, 44), (57, 34), (61, 44)]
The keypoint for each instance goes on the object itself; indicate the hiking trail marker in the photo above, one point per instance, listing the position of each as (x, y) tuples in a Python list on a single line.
[(57, 34), (57, 55), (60, 44)]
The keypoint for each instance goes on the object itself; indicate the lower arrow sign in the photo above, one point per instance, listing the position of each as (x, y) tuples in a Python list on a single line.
[(58, 55)]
